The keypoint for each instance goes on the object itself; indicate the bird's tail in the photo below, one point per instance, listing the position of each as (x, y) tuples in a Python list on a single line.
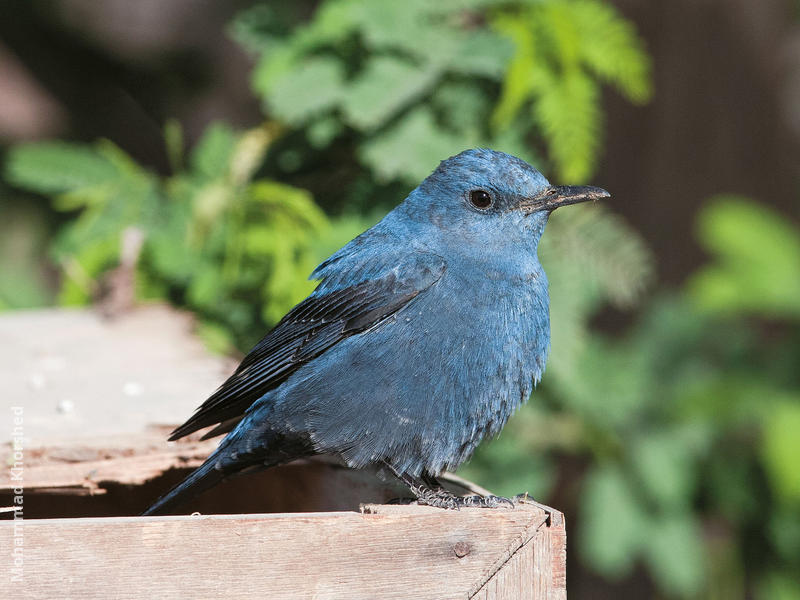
[(248, 447), (233, 455), (204, 477)]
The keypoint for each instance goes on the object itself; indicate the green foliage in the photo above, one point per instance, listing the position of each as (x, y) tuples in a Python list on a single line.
[(688, 424), (394, 76), (54, 167), (781, 447), (676, 442), (564, 50), (234, 248), (111, 191), (23, 238), (592, 258), (758, 260)]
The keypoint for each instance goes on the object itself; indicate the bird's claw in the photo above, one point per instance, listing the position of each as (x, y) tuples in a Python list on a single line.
[(486, 501), (443, 499), (438, 498)]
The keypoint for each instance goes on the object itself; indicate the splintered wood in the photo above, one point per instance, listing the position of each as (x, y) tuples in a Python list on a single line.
[(94, 393)]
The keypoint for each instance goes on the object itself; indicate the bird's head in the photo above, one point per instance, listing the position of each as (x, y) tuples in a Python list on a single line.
[(491, 197)]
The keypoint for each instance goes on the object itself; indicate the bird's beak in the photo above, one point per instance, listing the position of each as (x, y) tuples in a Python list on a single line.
[(563, 195)]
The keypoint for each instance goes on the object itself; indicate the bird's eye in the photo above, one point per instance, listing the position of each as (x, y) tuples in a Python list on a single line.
[(480, 199)]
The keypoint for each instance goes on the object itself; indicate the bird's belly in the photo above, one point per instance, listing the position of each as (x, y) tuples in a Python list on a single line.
[(421, 389)]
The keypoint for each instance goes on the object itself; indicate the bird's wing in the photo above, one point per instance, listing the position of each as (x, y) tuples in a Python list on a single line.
[(341, 306)]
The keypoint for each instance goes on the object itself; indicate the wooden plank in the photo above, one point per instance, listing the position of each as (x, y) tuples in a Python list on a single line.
[(99, 397), (536, 570), (79, 375), (81, 466), (59, 484), (387, 552)]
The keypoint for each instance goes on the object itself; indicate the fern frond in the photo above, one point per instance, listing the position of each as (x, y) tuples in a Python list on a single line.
[(568, 113), (610, 47), (563, 49), (612, 257), (591, 256), (518, 84)]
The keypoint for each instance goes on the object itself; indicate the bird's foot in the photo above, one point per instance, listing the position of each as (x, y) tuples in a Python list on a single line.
[(486, 501), (429, 492), (436, 497), (441, 498)]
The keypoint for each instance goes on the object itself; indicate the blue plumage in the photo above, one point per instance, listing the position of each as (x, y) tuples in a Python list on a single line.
[(423, 336)]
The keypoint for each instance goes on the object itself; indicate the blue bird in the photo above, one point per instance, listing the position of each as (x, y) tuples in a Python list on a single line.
[(423, 336)]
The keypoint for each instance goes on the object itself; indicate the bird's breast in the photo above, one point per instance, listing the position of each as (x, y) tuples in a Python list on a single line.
[(423, 387)]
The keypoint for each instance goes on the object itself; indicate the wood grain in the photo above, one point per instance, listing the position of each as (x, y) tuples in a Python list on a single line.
[(391, 552), (99, 398), (79, 375)]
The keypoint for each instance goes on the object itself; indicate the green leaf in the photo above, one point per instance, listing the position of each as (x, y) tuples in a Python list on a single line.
[(555, 21), (296, 203), (321, 132), (383, 87), (757, 260), (664, 462), (610, 47), (615, 526), (212, 154), (611, 258), (408, 26), (306, 89), (261, 239), (462, 107), (776, 585), (523, 73), (259, 27), (591, 257), (216, 337), (295, 61), (411, 149), (568, 112), (333, 22), (483, 54), (53, 167), (781, 449), (122, 161), (562, 49), (205, 286), (271, 66), (784, 531), (24, 233), (622, 375), (675, 554)]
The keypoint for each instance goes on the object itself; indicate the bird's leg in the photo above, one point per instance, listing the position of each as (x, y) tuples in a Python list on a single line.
[(433, 494), (430, 492), (426, 489)]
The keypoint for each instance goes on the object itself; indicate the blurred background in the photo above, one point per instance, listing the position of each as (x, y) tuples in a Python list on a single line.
[(222, 149)]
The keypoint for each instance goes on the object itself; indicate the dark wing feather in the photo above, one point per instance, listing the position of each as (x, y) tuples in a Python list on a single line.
[(308, 330)]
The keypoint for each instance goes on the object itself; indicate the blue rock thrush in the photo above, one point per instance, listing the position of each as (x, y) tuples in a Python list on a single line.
[(423, 336)]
